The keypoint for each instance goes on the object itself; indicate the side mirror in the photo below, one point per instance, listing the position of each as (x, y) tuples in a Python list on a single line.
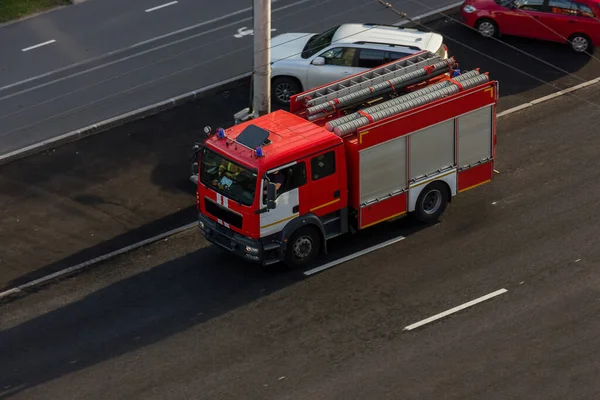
[(318, 61), (271, 188), (195, 168)]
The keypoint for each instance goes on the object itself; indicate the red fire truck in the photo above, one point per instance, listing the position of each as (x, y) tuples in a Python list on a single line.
[(401, 138)]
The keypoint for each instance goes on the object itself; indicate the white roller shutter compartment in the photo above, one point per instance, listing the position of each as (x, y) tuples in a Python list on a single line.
[(475, 137), (382, 169), (432, 149)]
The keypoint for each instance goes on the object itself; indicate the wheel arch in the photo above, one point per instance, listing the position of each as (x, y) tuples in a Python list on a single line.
[(299, 222), (288, 76), (585, 35)]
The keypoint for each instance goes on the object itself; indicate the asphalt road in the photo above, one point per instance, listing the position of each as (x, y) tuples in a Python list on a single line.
[(98, 195), (180, 320), (110, 58)]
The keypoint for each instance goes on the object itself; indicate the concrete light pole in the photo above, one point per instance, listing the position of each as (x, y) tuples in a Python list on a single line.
[(262, 58)]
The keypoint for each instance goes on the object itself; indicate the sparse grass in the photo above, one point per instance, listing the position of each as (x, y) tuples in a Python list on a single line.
[(13, 9)]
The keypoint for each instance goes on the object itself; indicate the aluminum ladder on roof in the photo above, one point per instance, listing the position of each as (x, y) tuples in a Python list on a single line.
[(369, 78)]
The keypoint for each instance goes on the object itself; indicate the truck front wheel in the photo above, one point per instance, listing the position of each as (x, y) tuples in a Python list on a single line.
[(432, 202), (303, 247)]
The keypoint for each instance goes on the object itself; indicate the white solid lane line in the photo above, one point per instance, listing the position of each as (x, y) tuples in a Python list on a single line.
[(161, 6), (38, 45), (455, 309), (353, 255)]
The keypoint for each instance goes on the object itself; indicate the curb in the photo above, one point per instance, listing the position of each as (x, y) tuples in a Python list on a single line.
[(110, 123), (85, 264), (431, 15), (548, 97), (166, 104), (78, 267)]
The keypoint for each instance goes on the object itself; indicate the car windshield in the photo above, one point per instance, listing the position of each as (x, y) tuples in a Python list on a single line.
[(227, 177), (318, 42), (504, 3)]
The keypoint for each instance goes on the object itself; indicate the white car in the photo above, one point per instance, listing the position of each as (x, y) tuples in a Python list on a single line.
[(303, 61)]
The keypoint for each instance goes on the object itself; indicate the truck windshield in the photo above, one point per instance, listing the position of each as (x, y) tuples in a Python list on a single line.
[(227, 177), (318, 42)]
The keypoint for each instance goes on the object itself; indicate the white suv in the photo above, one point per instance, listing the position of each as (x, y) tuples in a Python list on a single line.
[(303, 61)]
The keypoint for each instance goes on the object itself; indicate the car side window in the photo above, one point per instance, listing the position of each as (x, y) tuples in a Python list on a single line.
[(369, 58), (340, 56), (532, 5), (286, 179), (561, 7), (394, 55), (322, 165), (581, 10)]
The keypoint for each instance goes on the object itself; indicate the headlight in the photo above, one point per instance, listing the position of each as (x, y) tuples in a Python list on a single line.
[(469, 9), (201, 225), (251, 250)]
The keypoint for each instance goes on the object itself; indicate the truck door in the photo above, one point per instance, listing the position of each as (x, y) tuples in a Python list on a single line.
[(289, 178), (325, 188)]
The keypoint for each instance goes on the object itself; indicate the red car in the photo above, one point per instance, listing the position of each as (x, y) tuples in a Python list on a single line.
[(574, 22)]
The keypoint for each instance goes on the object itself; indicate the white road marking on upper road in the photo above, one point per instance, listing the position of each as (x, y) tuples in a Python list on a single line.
[(244, 31), (353, 255), (161, 6), (455, 309), (38, 45), (114, 52), (127, 57)]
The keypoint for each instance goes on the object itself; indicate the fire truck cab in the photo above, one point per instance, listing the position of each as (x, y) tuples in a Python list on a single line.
[(270, 182), (402, 138)]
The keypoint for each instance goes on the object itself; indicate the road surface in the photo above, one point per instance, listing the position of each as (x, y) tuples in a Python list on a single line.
[(109, 191), (179, 320), (103, 58)]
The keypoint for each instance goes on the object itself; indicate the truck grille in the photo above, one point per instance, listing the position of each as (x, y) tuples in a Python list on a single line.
[(222, 213)]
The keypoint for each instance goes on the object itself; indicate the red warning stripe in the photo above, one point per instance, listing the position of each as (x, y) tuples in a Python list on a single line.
[(457, 83), (364, 114), (392, 86)]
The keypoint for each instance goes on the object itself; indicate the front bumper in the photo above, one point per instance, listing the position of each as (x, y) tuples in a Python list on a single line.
[(249, 249)]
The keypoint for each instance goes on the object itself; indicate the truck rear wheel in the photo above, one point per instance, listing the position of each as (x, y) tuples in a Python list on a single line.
[(303, 247), (432, 202)]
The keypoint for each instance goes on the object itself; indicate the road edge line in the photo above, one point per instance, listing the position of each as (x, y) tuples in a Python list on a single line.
[(93, 261), (551, 96)]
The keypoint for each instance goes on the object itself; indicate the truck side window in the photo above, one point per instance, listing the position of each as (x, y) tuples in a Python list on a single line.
[(322, 165), (287, 179)]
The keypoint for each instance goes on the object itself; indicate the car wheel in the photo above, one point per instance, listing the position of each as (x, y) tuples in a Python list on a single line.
[(432, 202), (303, 247), (283, 88), (487, 28), (580, 43)]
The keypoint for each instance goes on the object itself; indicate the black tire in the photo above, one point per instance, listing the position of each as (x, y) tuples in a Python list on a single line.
[(432, 202), (580, 43), (297, 245), (487, 28), (282, 88)]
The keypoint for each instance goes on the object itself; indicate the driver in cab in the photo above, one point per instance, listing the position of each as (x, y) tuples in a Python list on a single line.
[(228, 170), (278, 178)]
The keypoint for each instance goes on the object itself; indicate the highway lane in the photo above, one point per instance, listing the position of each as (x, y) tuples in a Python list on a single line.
[(179, 319), (94, 28), (97, 195), (132, 78)]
